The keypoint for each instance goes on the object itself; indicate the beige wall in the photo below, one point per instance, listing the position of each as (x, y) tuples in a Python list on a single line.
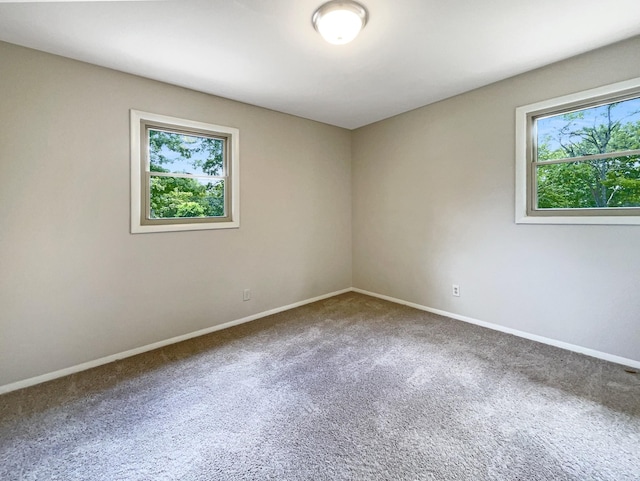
[(75, 285), (433, 204), (432, 195)]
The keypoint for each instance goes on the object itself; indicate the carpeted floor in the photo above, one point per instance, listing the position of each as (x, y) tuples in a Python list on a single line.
[(349, 388)]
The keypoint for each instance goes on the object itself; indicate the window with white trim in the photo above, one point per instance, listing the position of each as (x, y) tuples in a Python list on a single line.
[(578, 158), (184, 174)]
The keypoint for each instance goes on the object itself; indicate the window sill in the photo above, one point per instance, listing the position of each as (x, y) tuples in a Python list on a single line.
[(579, 220), (148, 229)]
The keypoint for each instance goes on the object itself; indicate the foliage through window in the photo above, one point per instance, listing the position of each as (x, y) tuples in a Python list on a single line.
[(185, 174), (579, 158)]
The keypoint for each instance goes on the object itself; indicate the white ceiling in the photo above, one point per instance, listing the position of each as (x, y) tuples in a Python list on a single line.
[(266, 52)]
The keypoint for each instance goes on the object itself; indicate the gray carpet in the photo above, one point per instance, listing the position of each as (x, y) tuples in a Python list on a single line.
[(349, 388)]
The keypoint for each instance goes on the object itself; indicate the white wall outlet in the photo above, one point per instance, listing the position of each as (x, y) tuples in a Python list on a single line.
[(246, 295), (455, 290)]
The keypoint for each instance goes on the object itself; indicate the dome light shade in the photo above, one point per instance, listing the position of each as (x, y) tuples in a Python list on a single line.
[(339, 22)]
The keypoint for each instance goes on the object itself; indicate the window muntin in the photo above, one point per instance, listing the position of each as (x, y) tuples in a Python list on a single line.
[(184, 174), (578, 158)]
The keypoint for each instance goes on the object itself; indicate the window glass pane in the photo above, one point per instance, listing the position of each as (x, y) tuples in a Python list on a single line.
[(186, 197), (597, 130), (612, 182), (185, 154)]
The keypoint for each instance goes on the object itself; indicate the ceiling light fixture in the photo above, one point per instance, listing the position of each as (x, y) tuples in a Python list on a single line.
[(339, 22)]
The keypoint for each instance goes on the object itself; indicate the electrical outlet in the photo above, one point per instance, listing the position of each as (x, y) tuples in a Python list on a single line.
[(246, 295), (455, 290)]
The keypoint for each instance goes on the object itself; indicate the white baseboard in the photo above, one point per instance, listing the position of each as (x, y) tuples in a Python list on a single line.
[(496, 327), (150, 347)]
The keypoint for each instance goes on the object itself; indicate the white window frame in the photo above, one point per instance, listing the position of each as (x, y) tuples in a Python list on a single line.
[(525, 145), (140, 222)]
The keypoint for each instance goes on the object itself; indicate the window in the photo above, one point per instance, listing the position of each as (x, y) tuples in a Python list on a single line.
[(578, 158), (184, 174)]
